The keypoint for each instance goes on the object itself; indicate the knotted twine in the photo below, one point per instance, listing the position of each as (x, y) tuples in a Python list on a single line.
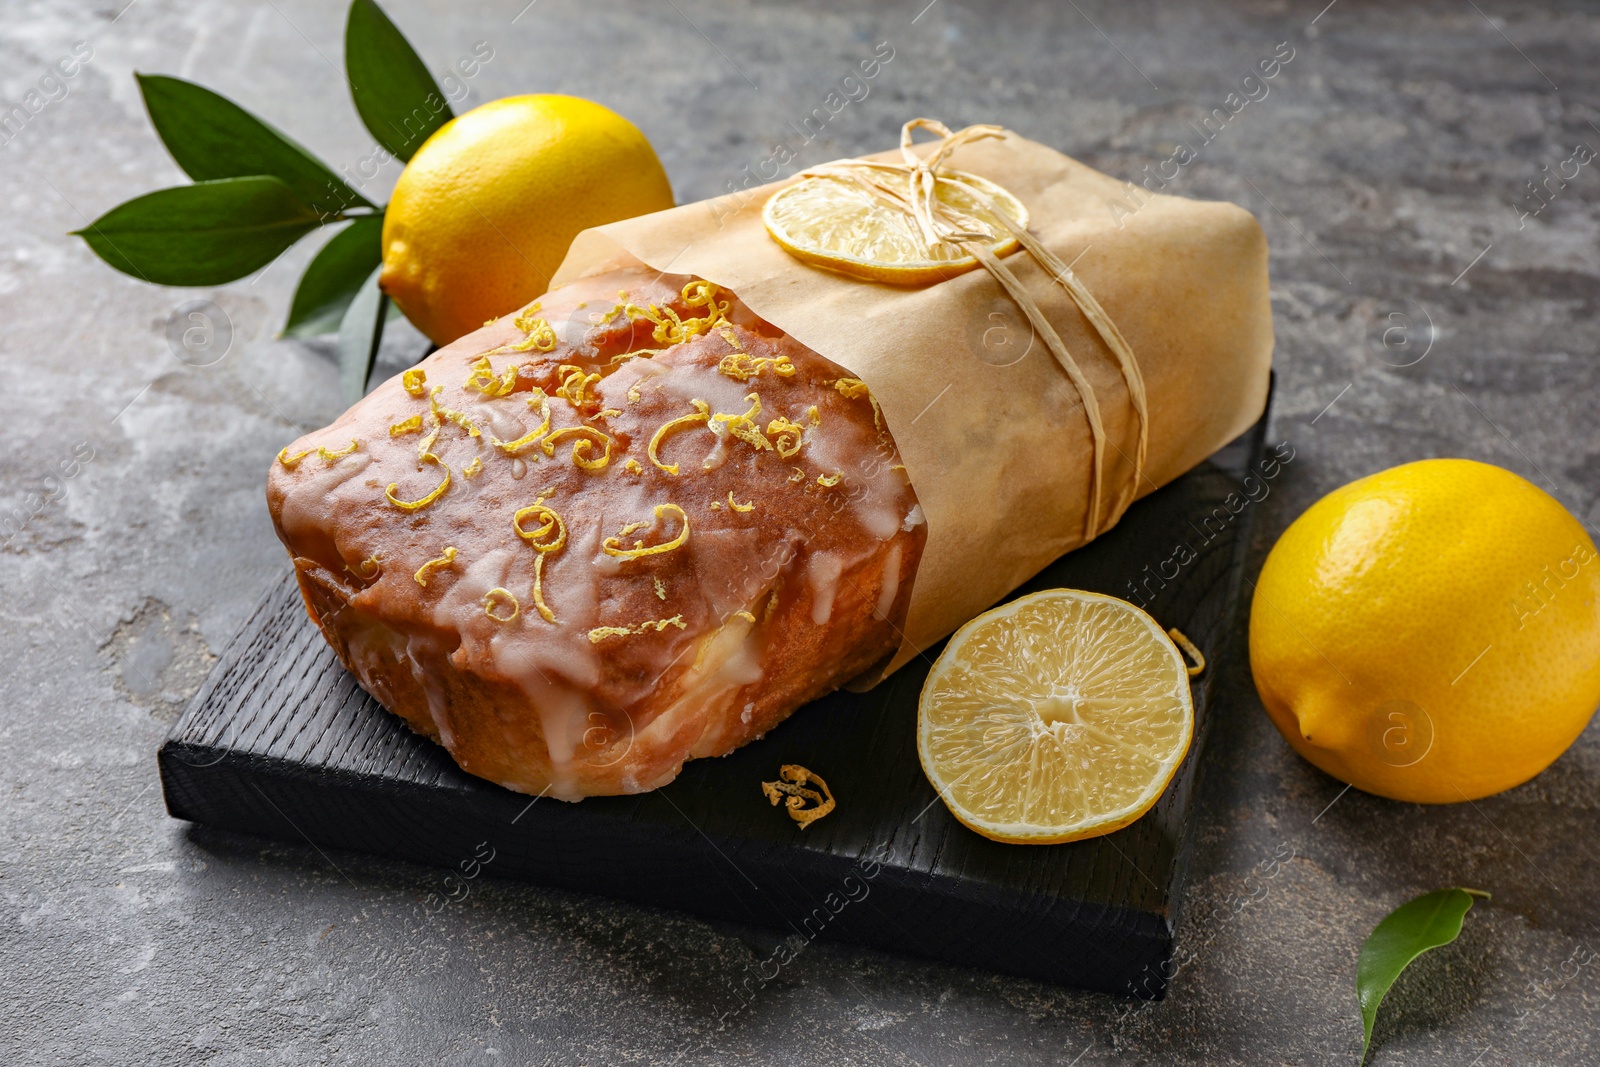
[(909, 189)]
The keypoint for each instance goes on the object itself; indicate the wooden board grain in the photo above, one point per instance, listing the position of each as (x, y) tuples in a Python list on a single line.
[(280, 741)]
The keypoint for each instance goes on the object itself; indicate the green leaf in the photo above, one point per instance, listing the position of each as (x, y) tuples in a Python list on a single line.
[(211, 137), (1413, 928), (395, 95), (359, 335), (207, 233), (334, 276)]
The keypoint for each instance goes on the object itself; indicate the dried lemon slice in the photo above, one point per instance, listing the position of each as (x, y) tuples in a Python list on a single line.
[(1058, 716), (833, 223)]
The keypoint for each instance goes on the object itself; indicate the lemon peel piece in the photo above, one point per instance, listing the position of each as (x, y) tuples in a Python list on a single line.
[(575, 384), (661, 587), (325, 454), (405, 426), (538, 334), (414, 380), (670, 329), (418, 505), (600, 633), (1196, 662), (582, 448), (740, 507), (605, 413), (368, 569), (743, 426), (856, 389), (799, 474), (460, 418), (612, 546), (702, 415), (787, 436), (538, 590), (633, 467), (550, 535), (828, 481), (601, 319), (741, 366), (473, 469), (497, 597), (745, 615), (484, 380), (511, 448), (328, 457), (446, 560)]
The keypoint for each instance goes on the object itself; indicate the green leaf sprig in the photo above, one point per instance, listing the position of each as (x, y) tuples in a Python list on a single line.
[(1429, 921), (256, 192)]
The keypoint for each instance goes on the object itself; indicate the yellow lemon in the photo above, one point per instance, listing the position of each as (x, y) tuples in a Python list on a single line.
[(829, 222), (484, 212), (1430, 633), (1058, 716)]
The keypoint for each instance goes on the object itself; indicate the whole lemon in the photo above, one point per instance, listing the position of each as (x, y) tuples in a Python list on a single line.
[(483, 213), (1430, 633)]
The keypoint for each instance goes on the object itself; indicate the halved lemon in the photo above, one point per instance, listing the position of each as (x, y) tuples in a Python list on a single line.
[(833, 223), (1058, 716)]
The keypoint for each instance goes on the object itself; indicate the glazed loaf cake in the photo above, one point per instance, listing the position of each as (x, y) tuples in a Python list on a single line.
[(629, 526)]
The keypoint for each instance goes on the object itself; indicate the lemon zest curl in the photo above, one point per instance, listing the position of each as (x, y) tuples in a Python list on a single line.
[(856, 389), (484, 380), (511, 448), (740, 366), (744, 426), (549, 537), (702, 415), (612, 546), (418, 505), (325, 454), (600, 633), (575, 384), (446, 560), (460, 418), (489, 602), (583, 448), (787, 436)]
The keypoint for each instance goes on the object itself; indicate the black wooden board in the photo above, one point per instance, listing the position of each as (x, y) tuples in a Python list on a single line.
[(280, 741)]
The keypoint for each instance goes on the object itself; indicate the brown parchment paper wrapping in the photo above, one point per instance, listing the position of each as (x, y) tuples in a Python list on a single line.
[(1000, 456)]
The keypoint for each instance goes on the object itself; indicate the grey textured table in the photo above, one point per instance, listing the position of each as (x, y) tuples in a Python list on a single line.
[(1388, 163)]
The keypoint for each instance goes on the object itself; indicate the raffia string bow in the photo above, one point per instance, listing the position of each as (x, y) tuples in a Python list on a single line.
[(909, 188)]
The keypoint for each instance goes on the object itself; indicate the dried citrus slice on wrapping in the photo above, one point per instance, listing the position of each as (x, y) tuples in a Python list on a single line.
[(834, 223), (1058, 716)]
